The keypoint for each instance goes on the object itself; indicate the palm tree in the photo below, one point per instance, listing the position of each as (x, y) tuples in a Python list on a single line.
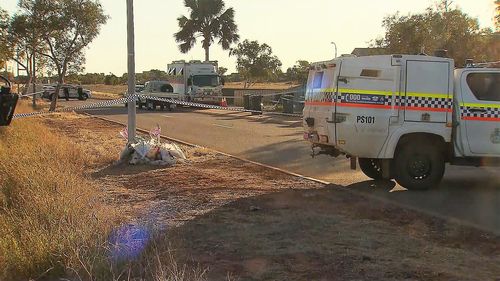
[(210, 20)]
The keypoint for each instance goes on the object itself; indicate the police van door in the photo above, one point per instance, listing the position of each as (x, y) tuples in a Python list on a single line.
[(320, 100), (480, 112), (428, 91), (364, 108)]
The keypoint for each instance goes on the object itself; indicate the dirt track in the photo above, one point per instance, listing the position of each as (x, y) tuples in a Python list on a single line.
[(257, 224)]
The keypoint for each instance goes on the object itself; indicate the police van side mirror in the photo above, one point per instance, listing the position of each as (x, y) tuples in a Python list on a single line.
[(8, 102)]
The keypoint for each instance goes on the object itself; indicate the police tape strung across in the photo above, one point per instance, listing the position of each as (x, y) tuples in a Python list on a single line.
[(31, 94), (110, 103), (208, 106), (102, 104)]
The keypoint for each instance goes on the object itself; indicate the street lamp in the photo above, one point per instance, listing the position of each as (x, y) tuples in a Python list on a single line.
[(335, 45)]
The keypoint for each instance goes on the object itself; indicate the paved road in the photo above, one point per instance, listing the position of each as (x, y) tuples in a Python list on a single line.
[(469, 195)]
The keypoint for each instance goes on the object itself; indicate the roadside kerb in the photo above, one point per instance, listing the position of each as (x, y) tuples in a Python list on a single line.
[(325, 183)]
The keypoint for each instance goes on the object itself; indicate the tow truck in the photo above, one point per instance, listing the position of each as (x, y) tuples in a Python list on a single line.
[(404, 117)]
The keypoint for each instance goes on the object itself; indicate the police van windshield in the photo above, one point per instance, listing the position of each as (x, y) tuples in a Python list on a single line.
[(206, 81)]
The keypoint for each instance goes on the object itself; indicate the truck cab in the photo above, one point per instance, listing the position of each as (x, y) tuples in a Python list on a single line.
[(477, 113), (196, 81), (205, 87), (403, 116)]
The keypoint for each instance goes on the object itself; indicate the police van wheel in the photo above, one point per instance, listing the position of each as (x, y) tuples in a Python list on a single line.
[(372, 168), (419, 166)]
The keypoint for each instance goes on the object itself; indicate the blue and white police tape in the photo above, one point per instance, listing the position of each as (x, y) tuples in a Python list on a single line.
[(32, 94), (110, 103), (209, 106), (102, 104)]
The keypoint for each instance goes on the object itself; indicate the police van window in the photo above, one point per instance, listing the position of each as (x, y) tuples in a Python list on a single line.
[(485, 86), (318, 80), (166, 88), (370, 73)]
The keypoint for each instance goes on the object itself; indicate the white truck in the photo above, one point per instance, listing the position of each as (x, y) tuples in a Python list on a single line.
[(404, 116), (158, 89), (196, 81)]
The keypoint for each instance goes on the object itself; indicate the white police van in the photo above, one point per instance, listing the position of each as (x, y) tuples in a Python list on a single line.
[(404, 116)]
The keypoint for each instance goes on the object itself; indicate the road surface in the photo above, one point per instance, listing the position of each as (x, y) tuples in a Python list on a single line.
[(468, 195)]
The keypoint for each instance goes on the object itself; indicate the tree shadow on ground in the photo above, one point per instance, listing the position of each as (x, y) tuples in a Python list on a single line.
[(121, 169), (333, 234), (468, 195)]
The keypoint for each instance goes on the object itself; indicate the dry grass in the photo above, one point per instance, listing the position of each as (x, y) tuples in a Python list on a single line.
[(58, 222), (51, 214)]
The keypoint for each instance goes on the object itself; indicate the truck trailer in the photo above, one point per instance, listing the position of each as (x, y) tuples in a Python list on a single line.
[(404, 117)]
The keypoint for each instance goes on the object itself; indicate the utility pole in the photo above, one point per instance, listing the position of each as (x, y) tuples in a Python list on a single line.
[(17, 61), (33, 69), (446, 4), (33, 80), (131, 71)]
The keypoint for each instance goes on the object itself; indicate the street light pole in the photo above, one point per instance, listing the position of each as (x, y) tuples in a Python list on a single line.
[(335, 45), (131, 71)]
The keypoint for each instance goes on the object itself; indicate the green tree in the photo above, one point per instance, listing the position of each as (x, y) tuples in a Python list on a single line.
[(256, 62), (222, 71), (26, 43), (442, 28), (69, 26), (299, 72), (111, 79), (209, 20), (5, 44), (497, 15)]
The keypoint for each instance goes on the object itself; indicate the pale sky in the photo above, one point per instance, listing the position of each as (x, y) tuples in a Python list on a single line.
[(295, 29)]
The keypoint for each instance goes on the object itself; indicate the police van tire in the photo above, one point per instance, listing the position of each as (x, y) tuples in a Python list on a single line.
[(371, 168), (419, 166)]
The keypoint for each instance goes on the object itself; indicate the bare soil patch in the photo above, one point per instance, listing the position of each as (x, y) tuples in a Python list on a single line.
[(101, 91), (257, 224)]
